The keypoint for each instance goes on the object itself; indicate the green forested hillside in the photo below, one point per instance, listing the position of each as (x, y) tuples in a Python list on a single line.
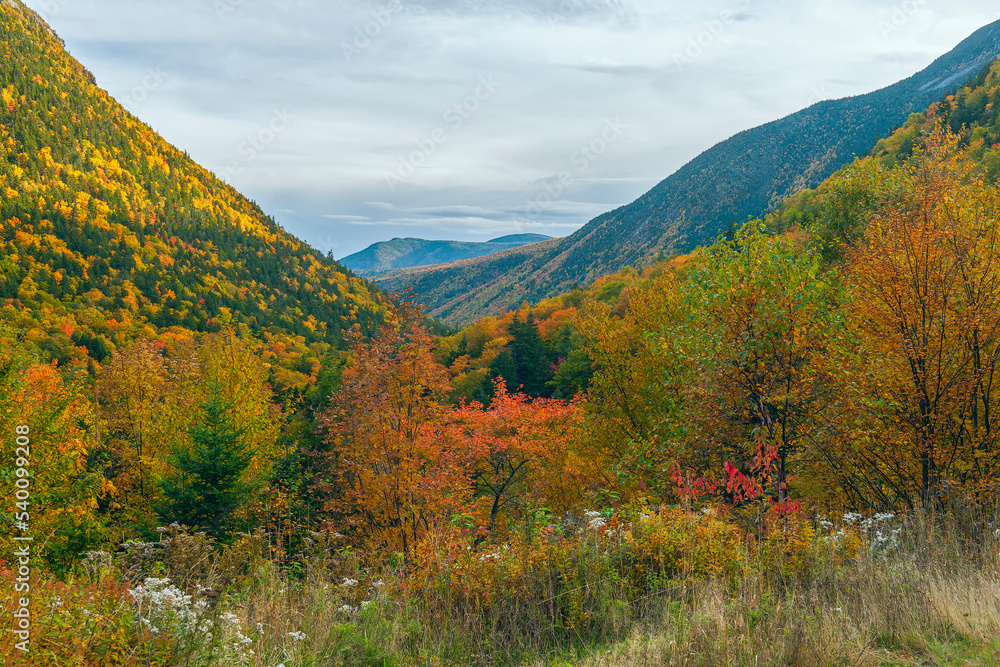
[(837, 211), (108, 232)]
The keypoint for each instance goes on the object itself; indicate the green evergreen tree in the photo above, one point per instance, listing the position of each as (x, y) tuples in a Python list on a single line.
[(573, 375), (501, 367), (208, 486), (532, 361)]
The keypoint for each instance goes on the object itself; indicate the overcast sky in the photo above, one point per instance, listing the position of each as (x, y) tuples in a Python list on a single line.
[(354, 122)]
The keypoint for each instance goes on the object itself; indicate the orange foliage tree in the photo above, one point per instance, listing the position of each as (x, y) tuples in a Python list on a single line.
[(390, 475), (516, 441), (928, 313)]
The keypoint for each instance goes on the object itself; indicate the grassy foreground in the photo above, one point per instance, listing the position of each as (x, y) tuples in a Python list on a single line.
[(660, 588)]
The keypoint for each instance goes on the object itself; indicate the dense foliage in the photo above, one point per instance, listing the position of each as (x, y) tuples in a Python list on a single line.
[(655, 446), (108, 233)]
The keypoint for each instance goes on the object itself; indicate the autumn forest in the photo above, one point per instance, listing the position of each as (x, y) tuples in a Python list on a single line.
[(783, 448)]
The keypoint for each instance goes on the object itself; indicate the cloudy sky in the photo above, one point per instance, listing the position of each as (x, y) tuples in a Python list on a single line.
[(354, 122)]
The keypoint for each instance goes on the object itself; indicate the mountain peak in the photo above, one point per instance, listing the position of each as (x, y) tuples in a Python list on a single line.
[(108, 233), (386, 256)]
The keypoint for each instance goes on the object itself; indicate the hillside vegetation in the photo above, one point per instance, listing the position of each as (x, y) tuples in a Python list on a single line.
[(108, 233), (782, 448)]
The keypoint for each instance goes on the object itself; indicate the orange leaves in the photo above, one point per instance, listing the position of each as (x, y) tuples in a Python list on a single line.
[(928, 282), (403, 462), (513, 443), (391, 476), (514, 423)]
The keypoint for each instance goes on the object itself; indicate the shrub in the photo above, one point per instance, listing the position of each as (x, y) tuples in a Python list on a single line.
[(679, 544)]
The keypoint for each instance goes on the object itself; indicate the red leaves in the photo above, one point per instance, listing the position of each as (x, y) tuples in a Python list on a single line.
[(513, 441), (691, 487), (742, 486)]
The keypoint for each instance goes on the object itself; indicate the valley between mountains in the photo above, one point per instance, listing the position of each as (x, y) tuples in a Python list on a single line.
[(750, 418)]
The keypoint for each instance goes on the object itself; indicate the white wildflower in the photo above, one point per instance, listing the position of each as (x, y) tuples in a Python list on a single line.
[(230, 618)]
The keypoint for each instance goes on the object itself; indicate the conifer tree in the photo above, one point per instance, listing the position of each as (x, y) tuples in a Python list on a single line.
[(208, 486), (531, 357)]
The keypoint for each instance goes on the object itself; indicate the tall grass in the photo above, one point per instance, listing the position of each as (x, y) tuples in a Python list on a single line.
[(932, 598), (925, 592)]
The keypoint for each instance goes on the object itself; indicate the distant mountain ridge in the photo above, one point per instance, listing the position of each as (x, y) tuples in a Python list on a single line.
[(398, 253), (741, 178)]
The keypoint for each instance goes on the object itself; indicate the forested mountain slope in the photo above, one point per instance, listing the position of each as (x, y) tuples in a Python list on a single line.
[(744, 177), (972, 113), (399, 253), (108, 233)]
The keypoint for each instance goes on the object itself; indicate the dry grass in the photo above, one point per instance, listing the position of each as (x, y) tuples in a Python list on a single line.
[(932, 599)]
